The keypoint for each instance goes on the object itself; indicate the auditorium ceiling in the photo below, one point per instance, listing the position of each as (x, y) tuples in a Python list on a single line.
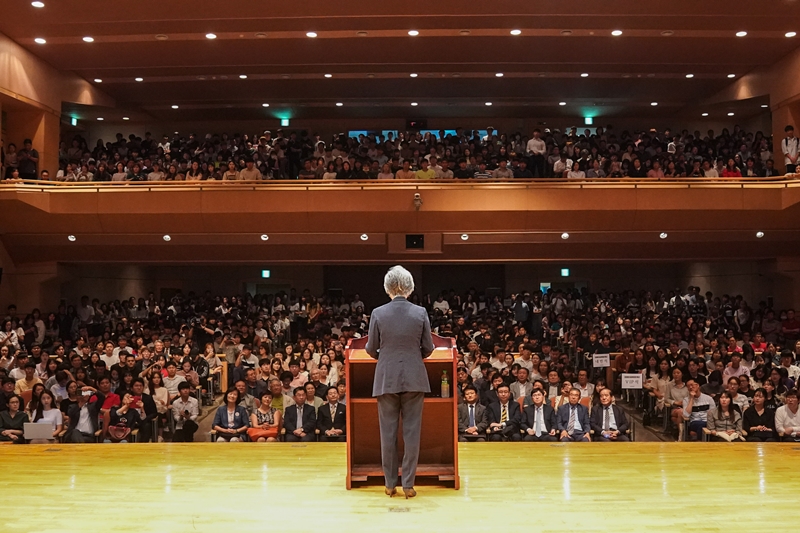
[(463, 57)]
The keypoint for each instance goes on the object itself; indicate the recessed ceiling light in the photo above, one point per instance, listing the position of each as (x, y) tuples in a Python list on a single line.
[(71, 238), (176, 133), (39, 40), (741, 33), (566, 33), (705, 114), (125, 118), (174, 107), (362, 33), (464, 32), (515, 32), (264, 105), (653, 103), (499, 75), (98, 80), (88, 39), (730, 114), (413, 33), (759, 234), (562, 103), (731, 75), (364, 236), (667, 33), (413, 74), (565, 235), (211, 35), (167, 238), (161, 37), (311, 34), (790, 34), (764, 105), (339, 104), (99, 118), (616, 33), (662, 235), (585, 75), (242, 76), (488, 103), (139, 79), (414, 104), (265, 237), (690, 75), (37, 4), (328, 75), (464, 237)]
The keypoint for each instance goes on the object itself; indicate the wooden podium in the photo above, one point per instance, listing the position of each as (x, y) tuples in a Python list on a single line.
[(438, 453)]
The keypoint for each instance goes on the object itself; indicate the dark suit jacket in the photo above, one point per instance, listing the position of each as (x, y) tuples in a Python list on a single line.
[(324, 421), (481, 418), (399, 338), (513, 414), (619, 417), (309, 422), (321, 390), (74, 413), (488, 397), (562, 417), (528, 417)]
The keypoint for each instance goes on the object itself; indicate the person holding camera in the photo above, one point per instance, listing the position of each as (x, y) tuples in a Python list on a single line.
[(185, 411)]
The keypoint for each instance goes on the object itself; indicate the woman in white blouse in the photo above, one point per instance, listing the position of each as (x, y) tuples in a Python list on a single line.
[(47, 413), (575, 173)]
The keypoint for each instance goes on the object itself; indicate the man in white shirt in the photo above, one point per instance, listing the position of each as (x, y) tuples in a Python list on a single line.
[(787, 418), (790, 146), (441, 304), (185, 411), (562, 165), (536, 150), (172, 380), (111, 355)]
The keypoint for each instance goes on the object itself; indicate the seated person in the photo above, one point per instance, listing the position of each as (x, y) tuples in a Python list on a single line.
[(473, 418), (724, 422), (172, 380), (265, 422), (489, 396), (121, 421), (538, 420), (300, 419), (787, 418), (758, 421), (12, 421), (331, 419), (573, 419), (563, 398), (522, 387), (608, 421), (695, 408), (231, 419), (185, 410), (503, 416), (312, 398), (583, 384), (47, 412), (84, 417)]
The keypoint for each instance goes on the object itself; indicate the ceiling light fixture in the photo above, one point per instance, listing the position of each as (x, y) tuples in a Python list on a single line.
[(39, 40), (585, 75), (99, 118), (167, 238), (565, 235), (464, 237), (311, 34), (705, 114), (211, 35), (790, 34), (139, 79), (328, 75), (653, 104), (265, 237), (731, 75), (616, 33), (125, 118), (515, 32), (364, 236), (242, 76), (759, 234), (741, 33), (499, 75), (764, 105), (264, 105), (488, 103), (162, 37), (174, 107), (667, 33), (690, 75), (98, 80), (71, 238), (37, 4), (413, 33), (88, 39), (730, 114), (662, 235), (413, 74), (414, 104), (339, 104), (562, 103)]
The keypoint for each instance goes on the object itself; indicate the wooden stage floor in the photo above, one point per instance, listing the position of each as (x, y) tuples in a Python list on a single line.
[(221, 488)]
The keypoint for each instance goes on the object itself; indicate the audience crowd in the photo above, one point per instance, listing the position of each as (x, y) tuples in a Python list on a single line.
[(712, 366), (460, 154)]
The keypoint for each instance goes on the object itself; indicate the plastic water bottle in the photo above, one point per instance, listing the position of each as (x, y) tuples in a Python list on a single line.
[(445, 385)]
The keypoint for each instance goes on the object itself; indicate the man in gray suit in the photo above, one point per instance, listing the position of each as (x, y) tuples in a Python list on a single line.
[(400, 338)]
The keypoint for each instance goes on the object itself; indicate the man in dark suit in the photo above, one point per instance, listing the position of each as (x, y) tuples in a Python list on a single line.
[(538, 420), (504, 417), (608, 421), (489, 396), (573, 419), (147, 410), (83, 418), (300, 419), (473, 418), (331, 420), (400, 338)]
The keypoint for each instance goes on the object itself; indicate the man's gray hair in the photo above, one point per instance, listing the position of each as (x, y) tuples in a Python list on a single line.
[(398, 282)]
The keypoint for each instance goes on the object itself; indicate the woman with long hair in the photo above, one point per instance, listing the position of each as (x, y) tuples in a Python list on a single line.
[(47, 413), (724, 422)]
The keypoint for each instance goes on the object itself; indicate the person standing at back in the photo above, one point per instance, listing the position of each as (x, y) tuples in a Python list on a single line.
[(400, 338)]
